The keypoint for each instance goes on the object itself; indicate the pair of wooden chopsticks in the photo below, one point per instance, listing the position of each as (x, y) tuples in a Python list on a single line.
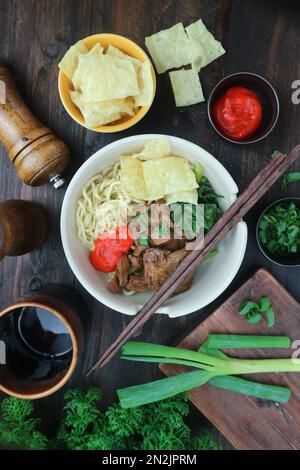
[(257, 188)]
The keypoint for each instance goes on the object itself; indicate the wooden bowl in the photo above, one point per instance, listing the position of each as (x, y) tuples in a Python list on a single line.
[(21, 388), (65, 85)]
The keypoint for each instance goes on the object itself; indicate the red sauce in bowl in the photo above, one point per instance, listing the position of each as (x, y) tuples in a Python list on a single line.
[(108, 250), (238, 113)]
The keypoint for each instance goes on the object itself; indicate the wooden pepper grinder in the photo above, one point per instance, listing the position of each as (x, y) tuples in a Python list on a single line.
[(24, 225), (38, 155)]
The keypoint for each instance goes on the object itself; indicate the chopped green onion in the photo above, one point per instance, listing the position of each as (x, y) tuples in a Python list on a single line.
[(254, 317), (279, 229), (270, 316), (253, 312), (264, 304), (247, 306)]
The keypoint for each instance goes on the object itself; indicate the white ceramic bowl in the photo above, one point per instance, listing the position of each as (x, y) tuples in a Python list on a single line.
[(212, 277)]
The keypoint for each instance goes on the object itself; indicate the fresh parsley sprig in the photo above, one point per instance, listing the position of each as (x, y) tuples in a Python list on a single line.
[(18, 429), (86, 426)]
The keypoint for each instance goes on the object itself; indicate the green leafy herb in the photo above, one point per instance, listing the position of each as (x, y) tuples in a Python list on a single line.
[(289, 178), (204, 442), (18, 429), (191, 223), (82, 417), (208, 197), (254, 312), (279, 229), (188, 218), (212, 213), (206, 193), (158, 426)]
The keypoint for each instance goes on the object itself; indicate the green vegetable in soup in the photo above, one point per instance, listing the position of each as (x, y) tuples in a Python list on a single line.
[(212, 213), (198, 172), (206, 193)]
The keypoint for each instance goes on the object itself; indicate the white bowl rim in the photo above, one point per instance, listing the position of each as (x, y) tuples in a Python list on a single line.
[(108, 300)]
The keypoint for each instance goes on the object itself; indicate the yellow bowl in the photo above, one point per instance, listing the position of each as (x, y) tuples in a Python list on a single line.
[(65, 85)]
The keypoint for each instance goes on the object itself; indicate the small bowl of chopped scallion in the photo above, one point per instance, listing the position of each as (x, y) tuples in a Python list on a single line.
[(278, 232)]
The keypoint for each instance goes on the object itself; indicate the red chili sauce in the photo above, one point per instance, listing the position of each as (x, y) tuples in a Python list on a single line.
[(238, 113), (108, 250)]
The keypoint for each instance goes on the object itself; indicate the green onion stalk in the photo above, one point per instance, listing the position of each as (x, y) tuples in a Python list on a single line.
[(214, 367)]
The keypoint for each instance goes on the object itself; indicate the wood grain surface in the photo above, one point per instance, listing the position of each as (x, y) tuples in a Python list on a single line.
[(260, 36), (251, 423)]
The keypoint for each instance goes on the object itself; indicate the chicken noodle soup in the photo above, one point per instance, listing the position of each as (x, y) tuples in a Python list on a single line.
[(138, 217)]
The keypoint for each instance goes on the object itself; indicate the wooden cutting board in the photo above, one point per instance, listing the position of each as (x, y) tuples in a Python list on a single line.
[(251, 423)]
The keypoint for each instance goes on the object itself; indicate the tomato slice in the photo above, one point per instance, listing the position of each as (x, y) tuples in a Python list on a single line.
[(108, 250)]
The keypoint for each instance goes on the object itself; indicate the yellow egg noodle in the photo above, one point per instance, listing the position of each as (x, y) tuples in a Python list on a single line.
[(99, 206)]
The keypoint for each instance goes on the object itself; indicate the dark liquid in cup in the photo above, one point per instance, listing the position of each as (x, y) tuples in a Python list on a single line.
[(38, 344)]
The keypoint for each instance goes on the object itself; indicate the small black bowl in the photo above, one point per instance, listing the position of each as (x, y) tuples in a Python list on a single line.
[(289, 260), (265, 93)]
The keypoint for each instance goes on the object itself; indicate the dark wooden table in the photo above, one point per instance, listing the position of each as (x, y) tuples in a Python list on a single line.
[(260, 36)]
